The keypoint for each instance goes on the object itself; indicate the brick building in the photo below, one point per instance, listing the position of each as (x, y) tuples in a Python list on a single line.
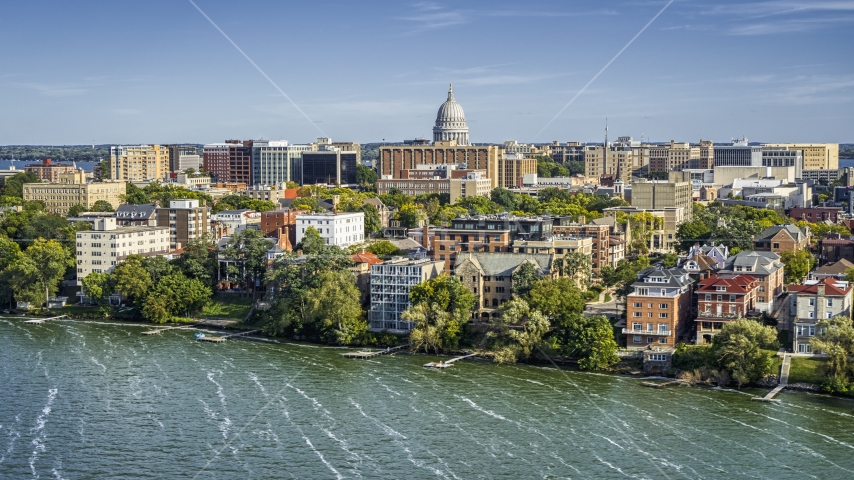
[(659, 308), (766, 267), (816, 214), (49, 171), (723, 298), (782, 238), (229, 162), (834, 247)]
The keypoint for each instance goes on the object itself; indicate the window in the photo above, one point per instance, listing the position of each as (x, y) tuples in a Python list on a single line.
[(804, 348), (636, 339), (658, 357), (812, 302), (720, 298), (708, 297), (720, 288), (499, 289), (662, 339), (649, 339), (829, 302), (732, 298), (638, 304), (662, 315), (662, 305), (775, 245), (637, 314), (637, 327), (663, 328), (649, 327)]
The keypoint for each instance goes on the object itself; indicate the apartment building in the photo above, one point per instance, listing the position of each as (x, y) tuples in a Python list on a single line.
[(659, 194), (490, 277), (659, 308), (231, 222), (607, 244), (184, 157), (139, 163), (186, 219), (106, 245), (455, 183), (812, 302), (766, 267), (47, 171), (340, 229), (512, 168), (722, 298), (72, 189), (390, 283), (614, 161), (136, 215)]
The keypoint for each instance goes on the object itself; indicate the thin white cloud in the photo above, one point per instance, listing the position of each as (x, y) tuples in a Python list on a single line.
[(547, 14), (431, 16), (774, 8), (53, 90), (788, 26)]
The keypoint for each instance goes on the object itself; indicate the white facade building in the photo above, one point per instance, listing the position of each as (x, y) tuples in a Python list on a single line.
[(276, 161), (236, 221), (105, 246), (390, 284), (341, 229)]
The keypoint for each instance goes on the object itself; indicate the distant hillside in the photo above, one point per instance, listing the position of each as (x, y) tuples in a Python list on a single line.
[(64, 153), (846, 150)]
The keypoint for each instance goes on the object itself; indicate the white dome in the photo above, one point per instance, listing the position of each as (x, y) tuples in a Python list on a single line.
[(451, 122)]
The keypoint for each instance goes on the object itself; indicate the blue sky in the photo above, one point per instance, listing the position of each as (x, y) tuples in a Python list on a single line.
[(156, 71)]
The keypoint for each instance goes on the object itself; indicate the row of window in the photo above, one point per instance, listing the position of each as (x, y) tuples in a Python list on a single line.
[(640, 314), (639, 339), (649, 305)]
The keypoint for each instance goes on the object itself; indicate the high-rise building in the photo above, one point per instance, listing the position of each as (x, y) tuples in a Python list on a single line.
[(229, 162), (817, 156), (659, 307), (341, 229), (393, 159), (182, 157), (330, 166), (673, 157), (390, 285), (451, 122), (276, 161), (707, 155), (569, 152), (660, 194), (739, 154), (139, 163)]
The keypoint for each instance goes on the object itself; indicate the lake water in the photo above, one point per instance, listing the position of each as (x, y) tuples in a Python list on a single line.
[(100, 400), (19, 165)]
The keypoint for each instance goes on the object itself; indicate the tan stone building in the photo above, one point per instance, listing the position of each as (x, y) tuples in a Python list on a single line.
[(130, 163), (490, 277), (607, 244), (456, 183), (674, 156), (622, 160), (512, 168), (393, 159), (71, 190), (817, 156), (657, 194), (106, 245)]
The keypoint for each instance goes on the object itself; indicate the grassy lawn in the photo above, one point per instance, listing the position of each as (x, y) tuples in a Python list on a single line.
[(227, 307), (807, 370)]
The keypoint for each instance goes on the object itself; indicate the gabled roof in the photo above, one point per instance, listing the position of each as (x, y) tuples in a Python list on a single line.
[(133, 212), (375, 202), (834, 268), (503, 264), (406, 244), (796, 233), (761, 263), (830, 288), (672, 277), (366, 257), (706, 263), (733, 283), (609, 221)]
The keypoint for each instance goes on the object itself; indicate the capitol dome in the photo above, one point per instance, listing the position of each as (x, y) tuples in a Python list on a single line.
[(451, 122)]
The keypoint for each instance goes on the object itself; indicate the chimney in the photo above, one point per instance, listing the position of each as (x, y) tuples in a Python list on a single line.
[(820, 289)]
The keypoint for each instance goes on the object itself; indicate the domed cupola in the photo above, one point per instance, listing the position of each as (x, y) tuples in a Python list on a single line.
[(451, 122)]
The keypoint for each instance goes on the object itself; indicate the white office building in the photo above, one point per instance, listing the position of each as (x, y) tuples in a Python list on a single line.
[(341, 229), (276, 161), (106, 245)]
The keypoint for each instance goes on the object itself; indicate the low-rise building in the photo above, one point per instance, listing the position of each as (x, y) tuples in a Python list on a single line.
[(722, 298), (106, 245), (816, 214), (659, 308), (607, 242), (390, 285), (340, 229), (72, 189), (836, 270), (281, 224), (812, 302), (490, 277), (233, 222), (136, 215), (766, 267), (834, 247), (782, 238)]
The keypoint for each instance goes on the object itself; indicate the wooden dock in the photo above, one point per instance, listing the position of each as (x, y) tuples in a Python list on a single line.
[(441, 364), (372, 353), (160, 330), (39, 321), (784, 381), (223, 338), (662, 385)]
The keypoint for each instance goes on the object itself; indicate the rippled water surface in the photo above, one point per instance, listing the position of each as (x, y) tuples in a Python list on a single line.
[(100, 400)]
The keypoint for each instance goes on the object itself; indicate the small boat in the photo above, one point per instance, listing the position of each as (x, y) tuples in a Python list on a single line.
[(199, 335), (437, 365)]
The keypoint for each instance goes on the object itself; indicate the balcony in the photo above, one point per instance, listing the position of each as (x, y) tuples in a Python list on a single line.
[(629, 331)]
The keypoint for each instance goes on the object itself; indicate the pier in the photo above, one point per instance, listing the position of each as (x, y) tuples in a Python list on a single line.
[(368, 354), (160, 330), (784, 381), (662, 385), (226, 337), (39, 321), (441, 364)]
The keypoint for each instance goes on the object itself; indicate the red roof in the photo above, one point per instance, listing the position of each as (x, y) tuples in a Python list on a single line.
[(829, 288), (733, 283), (366, 257)]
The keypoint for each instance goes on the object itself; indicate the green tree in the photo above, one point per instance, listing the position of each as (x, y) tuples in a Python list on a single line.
[(440, 308), (577, 266), (312, 243), (503, 197), (97, 286), (373, 221), (40, 269), (335, 308), (410, 216), (383, 248), (797, 264), (132, 280), (836, 339), (559, 299), (9, 254), (14, 186), (692, 232), (741, 348), (157, 267), (174, 295), (518, 331), (76, 210), (199, 260), (248, 251), (670, 259), (524, 277), (134, 195), (366, 176), (102, 206), (590, 339)]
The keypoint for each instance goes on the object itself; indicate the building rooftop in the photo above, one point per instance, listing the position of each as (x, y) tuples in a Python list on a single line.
[(795, 232), (832, 287), (834, 268), (135, 211), (503, 264)]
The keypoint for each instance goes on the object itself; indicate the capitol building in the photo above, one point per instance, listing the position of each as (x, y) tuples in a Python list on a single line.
[(451, 122)]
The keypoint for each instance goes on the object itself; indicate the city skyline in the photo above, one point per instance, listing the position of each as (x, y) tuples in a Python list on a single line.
[(772, 71)]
